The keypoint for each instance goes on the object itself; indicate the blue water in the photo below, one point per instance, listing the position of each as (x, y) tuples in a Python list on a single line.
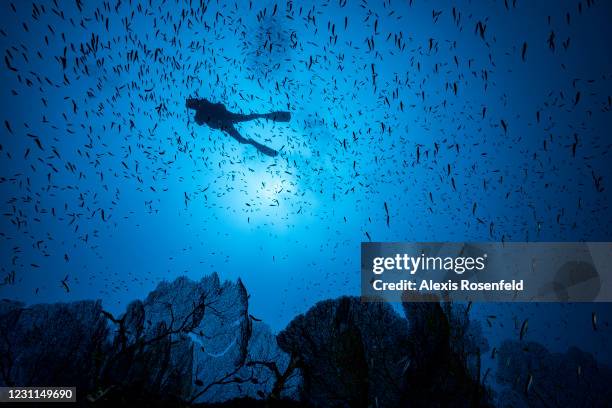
[(180, 199)]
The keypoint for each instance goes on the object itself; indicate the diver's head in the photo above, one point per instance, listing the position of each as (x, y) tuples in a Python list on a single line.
[(191, 103)]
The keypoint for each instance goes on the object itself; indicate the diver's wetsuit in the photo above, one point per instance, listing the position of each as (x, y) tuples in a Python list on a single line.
[(216, 116)]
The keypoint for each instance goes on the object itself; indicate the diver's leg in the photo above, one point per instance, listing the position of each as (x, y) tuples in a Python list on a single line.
[(268, 151), (280, 116), (233, 132), (239, 117)]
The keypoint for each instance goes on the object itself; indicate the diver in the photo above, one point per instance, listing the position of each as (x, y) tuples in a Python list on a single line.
[(216, 116)]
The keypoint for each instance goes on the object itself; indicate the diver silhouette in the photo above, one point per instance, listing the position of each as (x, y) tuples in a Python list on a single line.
[(216, 116)]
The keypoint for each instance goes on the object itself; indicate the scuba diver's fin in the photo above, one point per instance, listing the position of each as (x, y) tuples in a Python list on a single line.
[(280, 116)]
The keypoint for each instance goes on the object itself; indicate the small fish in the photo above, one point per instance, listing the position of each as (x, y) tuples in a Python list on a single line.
[(65, 284), (387, 213), (524, 329), (529, 383)]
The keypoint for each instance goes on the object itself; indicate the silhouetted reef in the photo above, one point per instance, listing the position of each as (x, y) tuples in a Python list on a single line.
[(195, 344)]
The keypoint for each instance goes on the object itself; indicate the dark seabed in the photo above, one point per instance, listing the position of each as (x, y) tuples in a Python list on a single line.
[(225, 253)]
